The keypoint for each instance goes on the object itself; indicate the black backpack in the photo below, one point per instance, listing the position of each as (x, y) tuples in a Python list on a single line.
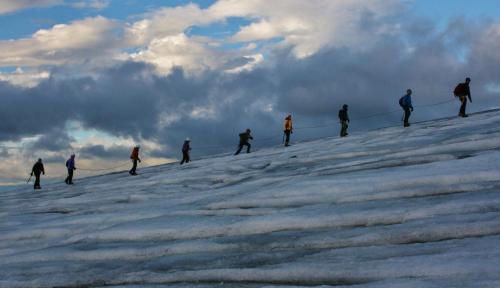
[(402, 102)]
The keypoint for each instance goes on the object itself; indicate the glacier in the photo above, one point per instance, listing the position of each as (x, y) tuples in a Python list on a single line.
[(393, 207)]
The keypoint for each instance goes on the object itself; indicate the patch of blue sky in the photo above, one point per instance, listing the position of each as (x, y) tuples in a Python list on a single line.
[(8, 69), (81, 134), (220, 30), (443, 11), (24, 23)]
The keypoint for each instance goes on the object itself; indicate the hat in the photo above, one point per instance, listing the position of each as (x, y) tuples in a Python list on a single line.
[(187, 139)]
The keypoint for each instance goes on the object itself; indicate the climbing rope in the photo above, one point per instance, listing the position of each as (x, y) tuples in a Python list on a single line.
[(224, 149)]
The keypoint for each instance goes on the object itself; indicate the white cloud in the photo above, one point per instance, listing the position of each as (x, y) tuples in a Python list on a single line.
[(25, 79), (166, 22), (308, 26), (78, 41), (8, 6), (161, 38), (168, 52), (253, 61)]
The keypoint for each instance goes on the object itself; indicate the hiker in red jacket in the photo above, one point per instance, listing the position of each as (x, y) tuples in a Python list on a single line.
[(135, 157), (462, 91)]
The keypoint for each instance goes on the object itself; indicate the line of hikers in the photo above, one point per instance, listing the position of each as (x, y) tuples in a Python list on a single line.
[(461, 91)]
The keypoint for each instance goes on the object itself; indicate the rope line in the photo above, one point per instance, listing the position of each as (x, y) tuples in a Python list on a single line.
[(123, 164), (225, 149)]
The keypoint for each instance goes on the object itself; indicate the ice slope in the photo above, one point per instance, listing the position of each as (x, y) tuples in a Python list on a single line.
[(417, 207)]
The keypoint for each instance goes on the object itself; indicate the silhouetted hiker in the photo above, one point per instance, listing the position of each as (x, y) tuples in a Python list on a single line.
[(462, 91), (185, 151), (135, 157), (288, 129), (344, 119), (37, 170), (70, 164), (405, 103), (244, 137)]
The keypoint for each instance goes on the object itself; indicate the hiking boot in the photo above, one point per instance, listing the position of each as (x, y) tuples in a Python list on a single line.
[(406, 125)]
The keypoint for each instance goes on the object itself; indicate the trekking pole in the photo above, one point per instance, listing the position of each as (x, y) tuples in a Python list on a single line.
[(28, 181), (283, 141)]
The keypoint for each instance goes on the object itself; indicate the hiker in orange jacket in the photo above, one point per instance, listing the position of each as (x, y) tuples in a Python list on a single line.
[(135, 157), (288, 129)]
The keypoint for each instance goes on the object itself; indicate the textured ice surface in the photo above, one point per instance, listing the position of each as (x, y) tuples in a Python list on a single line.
[(417, 207)]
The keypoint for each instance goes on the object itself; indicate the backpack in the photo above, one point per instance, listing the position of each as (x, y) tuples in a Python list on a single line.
[(402, 101), (459, 90)]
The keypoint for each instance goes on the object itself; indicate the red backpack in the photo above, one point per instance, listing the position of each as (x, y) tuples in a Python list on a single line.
[(460, 90)]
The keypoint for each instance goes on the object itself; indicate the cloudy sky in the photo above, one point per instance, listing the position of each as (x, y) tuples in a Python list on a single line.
[(96, 77)]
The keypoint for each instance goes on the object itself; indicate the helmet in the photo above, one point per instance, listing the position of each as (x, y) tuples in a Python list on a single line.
[(345, 106), (187, 139)]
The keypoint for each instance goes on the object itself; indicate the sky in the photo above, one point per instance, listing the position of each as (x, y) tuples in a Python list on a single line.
[(97, 77)]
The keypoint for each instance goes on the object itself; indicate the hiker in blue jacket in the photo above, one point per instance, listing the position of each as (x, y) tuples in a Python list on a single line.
[(185, 151), (70, 164), (405, 103)]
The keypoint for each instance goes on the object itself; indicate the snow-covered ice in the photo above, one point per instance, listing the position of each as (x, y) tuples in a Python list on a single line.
[(416, 207)]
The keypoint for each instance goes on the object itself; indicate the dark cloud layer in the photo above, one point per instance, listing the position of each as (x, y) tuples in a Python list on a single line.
[(212, 108), (99, 151), (53, 140)]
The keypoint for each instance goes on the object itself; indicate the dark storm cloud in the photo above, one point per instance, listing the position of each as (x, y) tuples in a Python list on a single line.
[(212, 108), (54, 141), (99, 151)]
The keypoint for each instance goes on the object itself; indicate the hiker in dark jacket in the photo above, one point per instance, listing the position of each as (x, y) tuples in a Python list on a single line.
[(462, 91), (244, 137), (70, 164), (344, 119), (185, 151), (37, 170), (405, 103)]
